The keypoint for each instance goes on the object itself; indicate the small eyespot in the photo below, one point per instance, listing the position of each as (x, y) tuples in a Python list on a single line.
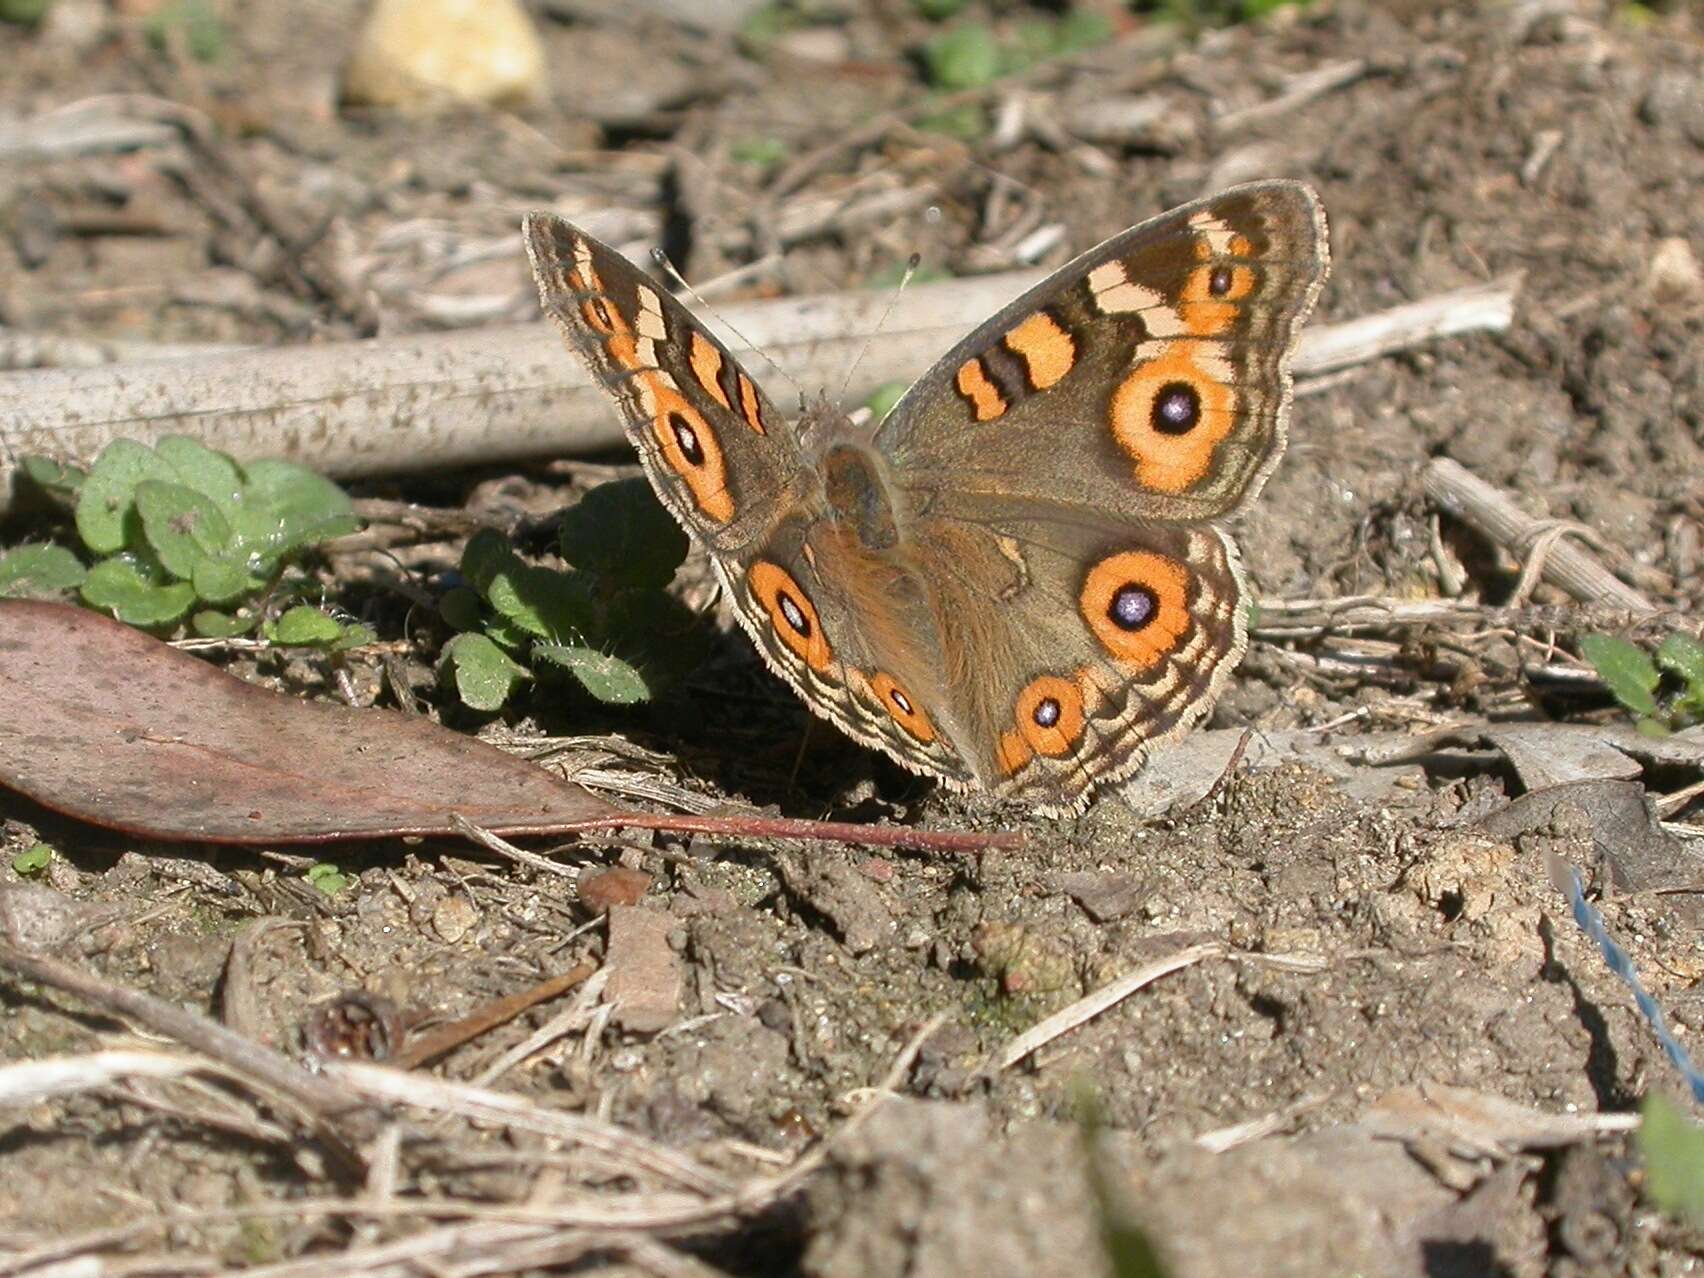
[(1177, 408), (1133, 606), (687, 438), (794, 615)]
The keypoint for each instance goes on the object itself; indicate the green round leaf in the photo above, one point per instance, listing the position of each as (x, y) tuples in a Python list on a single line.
[(486, 554), (183, 526), (33, 860), (53, 477), (304, 626), (965, 57), (1683, 655), (485, 675), (118, 586), (223, 581), (1631, 675), (108, 495), (212, 474), (462, 608), (543, 602), (610, 679), (286, 507), (211, 624), (621, 532), (39, 572)]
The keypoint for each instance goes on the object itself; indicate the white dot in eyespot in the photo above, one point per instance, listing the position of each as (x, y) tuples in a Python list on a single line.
[(933, 215), (794, 614)]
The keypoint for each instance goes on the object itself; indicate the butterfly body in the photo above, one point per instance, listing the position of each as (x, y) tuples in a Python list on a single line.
[(1016, 581)]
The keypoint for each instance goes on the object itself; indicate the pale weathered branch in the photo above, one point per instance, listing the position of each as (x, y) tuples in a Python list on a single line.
[(438, 400)]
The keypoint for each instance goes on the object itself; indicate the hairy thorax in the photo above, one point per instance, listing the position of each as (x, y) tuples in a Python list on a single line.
[(859, 499)]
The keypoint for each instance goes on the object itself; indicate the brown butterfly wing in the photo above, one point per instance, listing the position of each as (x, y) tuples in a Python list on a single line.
[(729, 467), (717, 451), (1149, 378)]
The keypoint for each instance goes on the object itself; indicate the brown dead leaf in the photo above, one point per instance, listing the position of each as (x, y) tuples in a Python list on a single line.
[(107, 724)]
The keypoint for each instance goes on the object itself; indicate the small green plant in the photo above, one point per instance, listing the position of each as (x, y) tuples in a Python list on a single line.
[(23, 13), (193, 22), (971, 55), (1215, 13), (179, 527), (1663, 695), (963, 57), (763, 151), (32, 860), (881, 401), (1673, 1148), (327, 878), (607, 622)]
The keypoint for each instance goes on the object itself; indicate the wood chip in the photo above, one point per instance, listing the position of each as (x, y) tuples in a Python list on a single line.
[(644, 971)]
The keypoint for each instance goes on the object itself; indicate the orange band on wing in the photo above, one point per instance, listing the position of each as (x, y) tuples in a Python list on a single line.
[(1045, 347), (986, 401), (750, 407), (791, 613), (902, 706), (706, 363)]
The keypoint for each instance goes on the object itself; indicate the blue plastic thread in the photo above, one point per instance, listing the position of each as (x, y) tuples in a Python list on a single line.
[(1567, 881)]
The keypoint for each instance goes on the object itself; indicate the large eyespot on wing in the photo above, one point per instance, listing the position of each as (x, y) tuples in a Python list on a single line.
[(1147, 378), (793, 617)]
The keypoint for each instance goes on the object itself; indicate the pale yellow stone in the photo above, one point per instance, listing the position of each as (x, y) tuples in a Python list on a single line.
[(421, 54)]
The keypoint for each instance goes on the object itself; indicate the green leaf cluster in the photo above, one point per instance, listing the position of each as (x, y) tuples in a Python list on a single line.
[(193, 23), (178, 529), (1663, 695), (325, 877), (1215, 13), (606, 622), (973, 54)]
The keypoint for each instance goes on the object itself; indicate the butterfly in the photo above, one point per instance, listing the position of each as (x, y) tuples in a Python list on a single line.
[(1017, 580)]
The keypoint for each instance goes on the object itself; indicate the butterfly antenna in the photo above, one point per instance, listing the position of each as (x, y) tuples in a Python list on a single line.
[(911, 265), (661, 259)]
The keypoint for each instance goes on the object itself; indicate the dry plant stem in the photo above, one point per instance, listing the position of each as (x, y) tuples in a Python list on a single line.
[(432, 401), (320, 1100), (446, 1038), (1086, 1009), (1493, 514), (1330, 347), (386, 1086), (32, 1082)]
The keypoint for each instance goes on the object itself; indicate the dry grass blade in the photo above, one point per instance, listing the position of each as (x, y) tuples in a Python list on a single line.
[(381, 1085), (1087, 1008)]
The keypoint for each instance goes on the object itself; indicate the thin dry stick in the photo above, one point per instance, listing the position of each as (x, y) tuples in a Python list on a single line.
[(436, 400), (446, 1038), (384, 1085), (241, 1056), (1493, 514), (1086, 1009)]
